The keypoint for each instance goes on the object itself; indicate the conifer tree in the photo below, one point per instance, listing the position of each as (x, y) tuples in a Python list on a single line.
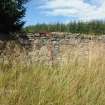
[(11, 13)]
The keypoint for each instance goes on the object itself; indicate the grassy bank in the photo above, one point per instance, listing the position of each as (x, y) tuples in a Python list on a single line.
[(80, 80)]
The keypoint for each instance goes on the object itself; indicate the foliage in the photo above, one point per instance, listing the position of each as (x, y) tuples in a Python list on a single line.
[(92, 27), (11, 13)]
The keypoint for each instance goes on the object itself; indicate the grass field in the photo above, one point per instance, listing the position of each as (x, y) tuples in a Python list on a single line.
[(78, 80)]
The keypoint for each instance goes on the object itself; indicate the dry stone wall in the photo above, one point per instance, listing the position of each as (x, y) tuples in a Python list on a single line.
[(52, 50)]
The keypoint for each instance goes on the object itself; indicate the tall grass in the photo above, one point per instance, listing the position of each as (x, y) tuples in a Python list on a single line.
[(78, 80)]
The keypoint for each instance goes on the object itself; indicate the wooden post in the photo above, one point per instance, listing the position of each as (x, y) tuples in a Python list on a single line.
[(50, 51)]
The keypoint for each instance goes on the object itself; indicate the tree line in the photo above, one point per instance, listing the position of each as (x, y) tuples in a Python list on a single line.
[(12, 12), (92, 27)]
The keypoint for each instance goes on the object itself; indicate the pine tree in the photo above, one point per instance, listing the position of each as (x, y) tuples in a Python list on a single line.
[(11, 12)]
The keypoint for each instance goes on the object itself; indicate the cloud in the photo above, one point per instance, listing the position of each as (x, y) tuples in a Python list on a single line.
[(82, 9)]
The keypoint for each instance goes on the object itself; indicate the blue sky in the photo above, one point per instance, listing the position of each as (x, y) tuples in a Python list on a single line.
[(52, 11)]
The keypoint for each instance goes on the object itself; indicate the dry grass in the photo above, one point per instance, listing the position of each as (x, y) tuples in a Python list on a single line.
[(79, 81)]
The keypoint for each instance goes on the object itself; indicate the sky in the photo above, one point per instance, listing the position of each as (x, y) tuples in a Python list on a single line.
[(63, 11)]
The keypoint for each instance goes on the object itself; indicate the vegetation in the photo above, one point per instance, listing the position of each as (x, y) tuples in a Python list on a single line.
[(77, 82), (11, 13), (78, 78), (93, 27)]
